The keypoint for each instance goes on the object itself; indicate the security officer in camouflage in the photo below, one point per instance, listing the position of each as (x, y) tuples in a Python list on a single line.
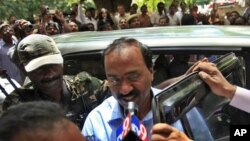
[(43, 64)]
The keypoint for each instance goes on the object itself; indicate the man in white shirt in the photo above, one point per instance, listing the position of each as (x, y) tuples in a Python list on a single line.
[(87, 17), (121, 15), (160, 13), (173, 19), (182, 10)]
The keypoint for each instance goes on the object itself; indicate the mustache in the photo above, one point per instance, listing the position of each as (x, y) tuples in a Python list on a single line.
[(51, 79), (134, 92)]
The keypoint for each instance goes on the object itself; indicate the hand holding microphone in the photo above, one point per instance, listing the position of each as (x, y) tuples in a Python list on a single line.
[(131, 129)]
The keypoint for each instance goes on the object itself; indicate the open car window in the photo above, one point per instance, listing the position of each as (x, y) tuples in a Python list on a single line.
[(191, 103)]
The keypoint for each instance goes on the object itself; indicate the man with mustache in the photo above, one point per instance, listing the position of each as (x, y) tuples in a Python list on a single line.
[(129, 71), (43, 64)]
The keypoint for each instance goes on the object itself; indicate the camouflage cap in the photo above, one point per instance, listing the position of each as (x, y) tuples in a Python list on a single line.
[(37, 50)]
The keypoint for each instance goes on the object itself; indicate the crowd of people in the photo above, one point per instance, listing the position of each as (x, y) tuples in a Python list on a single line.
[(95, 106), (126, 80), (51, 22)]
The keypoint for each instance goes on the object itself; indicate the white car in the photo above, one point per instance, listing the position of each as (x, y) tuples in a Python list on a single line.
[(175, 48)]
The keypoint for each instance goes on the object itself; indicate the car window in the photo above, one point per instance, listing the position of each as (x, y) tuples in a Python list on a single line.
[(89, 62), (212, 115)]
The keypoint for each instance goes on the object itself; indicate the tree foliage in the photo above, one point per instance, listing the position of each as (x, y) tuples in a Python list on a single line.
[(28, 8)]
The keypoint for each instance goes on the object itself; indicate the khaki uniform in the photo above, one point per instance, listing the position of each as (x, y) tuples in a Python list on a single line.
[(80, 94)]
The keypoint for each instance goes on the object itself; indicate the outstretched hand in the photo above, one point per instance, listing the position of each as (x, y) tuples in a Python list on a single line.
[(216, 81), (191, 69)]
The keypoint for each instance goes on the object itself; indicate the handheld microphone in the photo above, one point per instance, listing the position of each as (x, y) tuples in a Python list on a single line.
[(131, 129)]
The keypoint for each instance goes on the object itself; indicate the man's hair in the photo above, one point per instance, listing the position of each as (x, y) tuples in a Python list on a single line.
[(159, 4), (29, 118), (123, 42), (188, 19)]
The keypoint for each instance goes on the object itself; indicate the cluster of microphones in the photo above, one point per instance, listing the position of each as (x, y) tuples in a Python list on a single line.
[(131, 129)]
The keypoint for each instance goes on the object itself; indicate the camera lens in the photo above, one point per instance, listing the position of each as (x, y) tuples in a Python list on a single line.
[(30, 25)]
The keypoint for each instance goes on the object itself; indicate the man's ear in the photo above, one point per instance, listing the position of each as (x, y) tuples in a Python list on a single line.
[(151, 70)]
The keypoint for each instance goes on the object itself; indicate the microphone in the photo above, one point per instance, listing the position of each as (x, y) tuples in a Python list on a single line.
[(131, 129)]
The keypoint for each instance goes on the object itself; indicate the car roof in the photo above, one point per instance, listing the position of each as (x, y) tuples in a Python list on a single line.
[(196, 36)]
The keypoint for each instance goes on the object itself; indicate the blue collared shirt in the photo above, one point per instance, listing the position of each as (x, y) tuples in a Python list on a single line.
[(7, 64), (102, 123)]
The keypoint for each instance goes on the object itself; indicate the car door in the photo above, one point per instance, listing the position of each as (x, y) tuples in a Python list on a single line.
[(190, 105)]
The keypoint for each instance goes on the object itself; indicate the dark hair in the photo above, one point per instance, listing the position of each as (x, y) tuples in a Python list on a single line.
[(123, 42), (159, 4), (236, 12), (29, 116), (236, 22), (134, 5), (144, 6), (100, 19), (188, 19)]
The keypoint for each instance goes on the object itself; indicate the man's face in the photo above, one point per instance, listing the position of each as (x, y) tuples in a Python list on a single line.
[(47, 77), (51, 30), (121, 10), (234, 15), (123, 24), (172, 10), (12, 19), (133, 9), (135, 23), (128, 76), (73, 26), (163, 22), (104, 14), (7, 32), (161, 7), (144, 9), (88, 13), (91, 27)]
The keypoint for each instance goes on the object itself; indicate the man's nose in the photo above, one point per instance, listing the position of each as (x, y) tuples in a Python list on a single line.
[(48, 72), (125, 87)]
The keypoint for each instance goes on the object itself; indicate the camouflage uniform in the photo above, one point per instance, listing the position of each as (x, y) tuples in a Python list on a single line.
[(80, 94)]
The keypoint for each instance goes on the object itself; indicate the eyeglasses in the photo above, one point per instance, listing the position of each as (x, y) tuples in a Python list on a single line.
[(114, 81)]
